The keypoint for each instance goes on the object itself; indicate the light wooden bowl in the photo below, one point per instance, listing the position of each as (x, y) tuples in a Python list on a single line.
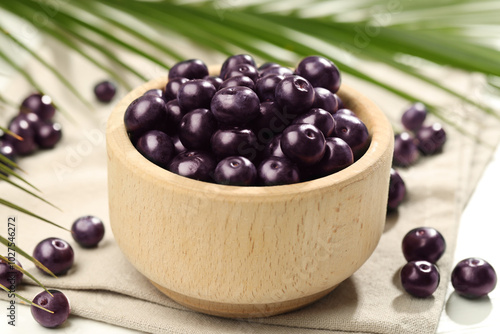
[(247, 251)]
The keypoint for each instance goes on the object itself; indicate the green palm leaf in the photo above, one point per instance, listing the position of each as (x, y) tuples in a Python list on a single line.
[(21, 209), (21, 269), (26, 300)]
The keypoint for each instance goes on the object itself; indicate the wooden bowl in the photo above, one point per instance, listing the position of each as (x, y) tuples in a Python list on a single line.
[(247, 251)]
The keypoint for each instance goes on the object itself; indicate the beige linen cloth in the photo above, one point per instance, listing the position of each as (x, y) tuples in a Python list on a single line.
[(103, 286)]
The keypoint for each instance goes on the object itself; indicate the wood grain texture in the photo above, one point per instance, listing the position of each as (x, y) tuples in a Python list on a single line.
[(247, 251)]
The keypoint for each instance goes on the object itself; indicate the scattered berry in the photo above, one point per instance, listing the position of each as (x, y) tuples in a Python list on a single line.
[(10, 277), (431, 138), (420, 278), (413, 118), (423, 243), (397, 190), (21, 126), (405, 150), (87, 231), (105, 91), (55, 254), (473, 278), (39, 104), (57, 303), (48, 134)]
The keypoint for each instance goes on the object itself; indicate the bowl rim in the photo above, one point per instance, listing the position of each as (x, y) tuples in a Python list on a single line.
[(380, 129)]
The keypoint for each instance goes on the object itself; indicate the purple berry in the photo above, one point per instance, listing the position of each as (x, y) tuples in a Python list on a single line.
[(173, 117), (178, 146), (265, 86), (276, 70), (294, 94), (325, 99), (55, 254), (10, 277), (235, 60), (413, 118), (157, 147), (214, 80), (196, 129), (405, 150), (172, 88), (275, 171), (33, 119), (242, 70), (338, 155), (344, 111), (353, 131), (423, 243), (57, 303), (195, 94), (273, 149), (304, 144), (196, 165), (143, 114), (235, 106), (154, 92), (241, 80), (190, 69), (7, 150), (318, 117), (39, 104), (105, 91), (320, 72), (271, 120), (234, 142), (267, 66), (21, 126), (236, 171), (420, 278), (397, 190), (473, 278), (48, 134), (339, 102), (431, 138), (87, 231)]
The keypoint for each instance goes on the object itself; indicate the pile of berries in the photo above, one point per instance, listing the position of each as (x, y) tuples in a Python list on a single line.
[(35, 125), (422, 248), (419, 138), (58, 256), (408, 145), (249, 125)]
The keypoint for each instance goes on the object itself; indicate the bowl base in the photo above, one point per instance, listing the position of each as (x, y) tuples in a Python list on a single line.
[(227, 310)]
